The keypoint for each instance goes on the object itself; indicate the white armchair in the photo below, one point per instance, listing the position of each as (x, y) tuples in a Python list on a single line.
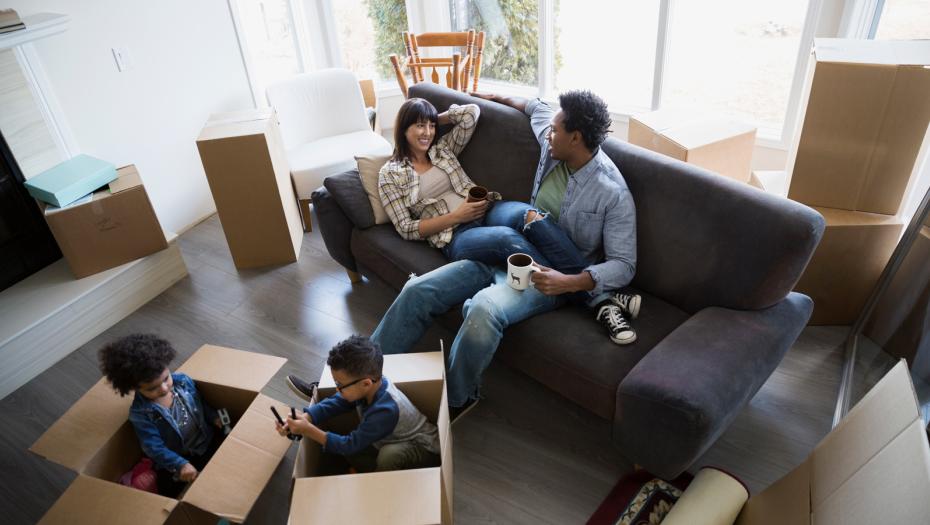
[(323, 126)]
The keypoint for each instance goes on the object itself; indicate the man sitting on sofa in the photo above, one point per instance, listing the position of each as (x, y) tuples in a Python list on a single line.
[(577, 188)]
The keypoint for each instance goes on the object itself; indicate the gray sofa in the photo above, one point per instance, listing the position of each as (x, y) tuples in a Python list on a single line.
[(716, 264)]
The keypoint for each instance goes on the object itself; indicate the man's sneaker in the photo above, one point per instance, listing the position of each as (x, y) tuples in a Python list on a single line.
[(301, 387), (611, 316), (629, 303), (456, 413)]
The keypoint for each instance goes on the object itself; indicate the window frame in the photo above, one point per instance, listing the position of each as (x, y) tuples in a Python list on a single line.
[(319, 47)]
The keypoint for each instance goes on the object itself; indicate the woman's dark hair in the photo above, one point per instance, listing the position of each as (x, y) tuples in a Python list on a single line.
[(587, 113), (135, 359), (359, 356), (412, 111)]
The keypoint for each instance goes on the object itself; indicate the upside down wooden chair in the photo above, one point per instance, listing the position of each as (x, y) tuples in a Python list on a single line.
[(461, 72)]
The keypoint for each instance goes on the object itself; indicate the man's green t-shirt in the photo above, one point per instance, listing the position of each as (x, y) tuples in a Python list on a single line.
[(552, 192)]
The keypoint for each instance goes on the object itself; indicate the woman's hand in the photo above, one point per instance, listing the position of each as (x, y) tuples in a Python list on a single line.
[(188, 473), (470, 211)]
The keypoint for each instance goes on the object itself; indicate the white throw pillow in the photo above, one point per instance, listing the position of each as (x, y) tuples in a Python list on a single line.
[(368, 168)]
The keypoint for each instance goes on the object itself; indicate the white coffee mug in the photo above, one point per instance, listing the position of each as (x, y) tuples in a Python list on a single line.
[(519, 270)]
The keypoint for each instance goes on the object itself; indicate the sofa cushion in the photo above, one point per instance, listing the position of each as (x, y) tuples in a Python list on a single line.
[(380, 251), (347, 190), (509, 171), (369, 167), (569, 351), (312, 162)]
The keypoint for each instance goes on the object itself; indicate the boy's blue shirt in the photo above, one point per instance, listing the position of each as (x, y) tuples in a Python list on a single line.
[(378, 420), (157, 431)]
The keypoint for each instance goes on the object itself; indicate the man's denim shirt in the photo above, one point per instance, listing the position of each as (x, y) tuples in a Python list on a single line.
[(158, 433), (597, 212)]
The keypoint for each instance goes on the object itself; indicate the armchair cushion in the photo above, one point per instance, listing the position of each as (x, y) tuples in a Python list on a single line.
[(314, 161)]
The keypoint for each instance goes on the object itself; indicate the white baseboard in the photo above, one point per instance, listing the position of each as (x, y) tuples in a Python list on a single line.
[(50, 314)]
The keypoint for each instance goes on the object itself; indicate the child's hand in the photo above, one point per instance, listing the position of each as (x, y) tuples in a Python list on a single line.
[(188, 473), (301, 425)]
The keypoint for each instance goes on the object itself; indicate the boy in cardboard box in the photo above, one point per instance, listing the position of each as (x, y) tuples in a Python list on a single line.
[(392, 435), (173, 423)]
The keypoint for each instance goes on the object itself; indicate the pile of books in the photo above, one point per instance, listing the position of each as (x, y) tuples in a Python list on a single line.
[(10, 21)]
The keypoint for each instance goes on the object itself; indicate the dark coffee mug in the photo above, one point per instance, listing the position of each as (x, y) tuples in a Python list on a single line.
[(477, 193)]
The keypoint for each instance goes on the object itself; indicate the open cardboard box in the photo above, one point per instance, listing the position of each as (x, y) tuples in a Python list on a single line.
[(416, 496), (95, 439), (874, 467)]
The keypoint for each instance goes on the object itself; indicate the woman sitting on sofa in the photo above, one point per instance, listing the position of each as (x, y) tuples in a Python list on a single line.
[(423, 188)]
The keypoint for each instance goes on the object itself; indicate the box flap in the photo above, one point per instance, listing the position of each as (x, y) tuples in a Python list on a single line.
[(238, 472), (237, 368), (892, 487), (398, 497), (76, 437), (879, 52), (127, 178), (882, 414), (663, 119), (836, 217), (91, 501), (401, 368), (235, 123)]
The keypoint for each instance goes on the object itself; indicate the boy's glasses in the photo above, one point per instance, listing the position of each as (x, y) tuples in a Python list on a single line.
[(340, 388)]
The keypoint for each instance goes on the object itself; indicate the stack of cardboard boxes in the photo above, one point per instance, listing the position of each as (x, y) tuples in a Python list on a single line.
[(100, 216), (867, 112)]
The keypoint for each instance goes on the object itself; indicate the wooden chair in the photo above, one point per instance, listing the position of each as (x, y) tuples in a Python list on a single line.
[(461, 73)]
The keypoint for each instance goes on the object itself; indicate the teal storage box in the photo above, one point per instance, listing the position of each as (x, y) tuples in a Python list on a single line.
[(71, 180)]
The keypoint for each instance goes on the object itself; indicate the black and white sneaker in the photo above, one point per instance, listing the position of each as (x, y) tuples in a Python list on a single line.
[(628, 303), (611, 316), (302, 388)]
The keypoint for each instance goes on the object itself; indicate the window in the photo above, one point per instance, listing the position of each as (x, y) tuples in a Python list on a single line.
[(612, 54), (904, 19), (268, 41), (368, 31), (511, 37), (734, 58)]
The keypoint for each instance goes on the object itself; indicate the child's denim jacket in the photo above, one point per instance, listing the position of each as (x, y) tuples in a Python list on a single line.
[(158, 433)]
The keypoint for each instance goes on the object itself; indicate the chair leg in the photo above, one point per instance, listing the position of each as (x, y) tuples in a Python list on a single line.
[(353, 276), (305, 214)]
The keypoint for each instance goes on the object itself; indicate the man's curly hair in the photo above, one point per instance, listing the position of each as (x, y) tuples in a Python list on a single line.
[(359, 356), (135, 359), (587, 113)]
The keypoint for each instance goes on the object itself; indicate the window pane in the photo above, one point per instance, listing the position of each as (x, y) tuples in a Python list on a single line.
[(270, 40), (369, 31), (595, 53), (511, 40), (734, 58), (904, 19)]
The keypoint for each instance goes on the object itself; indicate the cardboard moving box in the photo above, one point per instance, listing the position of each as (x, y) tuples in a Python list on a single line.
[(422, 496), (846, 265), (722, 146), (867, 112), (874, 467), (114, 226), (95, 439), (246, 167)]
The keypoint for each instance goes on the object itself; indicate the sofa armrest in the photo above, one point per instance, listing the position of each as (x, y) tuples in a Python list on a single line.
[(335, 227), (687, 390)]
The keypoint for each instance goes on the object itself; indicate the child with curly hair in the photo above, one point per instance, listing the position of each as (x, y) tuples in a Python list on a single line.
[(173, 423)]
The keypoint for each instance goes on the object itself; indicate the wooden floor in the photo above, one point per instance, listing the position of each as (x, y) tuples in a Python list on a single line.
[(524, 455)]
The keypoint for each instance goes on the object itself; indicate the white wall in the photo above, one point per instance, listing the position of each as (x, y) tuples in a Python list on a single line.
[(186, 66)]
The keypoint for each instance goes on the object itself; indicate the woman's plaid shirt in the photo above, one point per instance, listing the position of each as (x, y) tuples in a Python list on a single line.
[(399, 184)]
